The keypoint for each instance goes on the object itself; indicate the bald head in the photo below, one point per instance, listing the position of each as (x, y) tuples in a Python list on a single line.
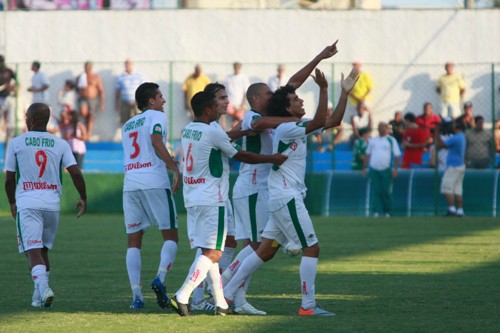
[(37, 116)]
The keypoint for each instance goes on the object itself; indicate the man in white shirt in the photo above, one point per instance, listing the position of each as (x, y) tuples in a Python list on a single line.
[(147, 193), (236, 88), (382, 157), (36, 158), (126, 84), (290, 222), (39, 84), (279, 79), (206, 187)]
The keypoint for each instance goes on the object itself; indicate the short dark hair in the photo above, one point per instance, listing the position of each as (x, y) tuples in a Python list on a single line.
[(213, 88), (201, 101), (410, 116), (37, 64), (144, 92), (477, 118), (280, 101), (253, 90)]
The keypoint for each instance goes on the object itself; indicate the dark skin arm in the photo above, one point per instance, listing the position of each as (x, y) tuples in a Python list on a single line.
[(79, 182), (251, 158), (10, 190)]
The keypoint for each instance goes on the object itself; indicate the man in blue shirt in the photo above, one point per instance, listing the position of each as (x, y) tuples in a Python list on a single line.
[(451, 184)]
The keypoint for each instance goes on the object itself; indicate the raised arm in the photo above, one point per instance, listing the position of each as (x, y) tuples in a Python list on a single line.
[(299, 78), (319, 118), (347, 84)]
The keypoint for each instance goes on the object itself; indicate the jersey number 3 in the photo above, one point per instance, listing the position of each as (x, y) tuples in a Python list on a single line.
[(137, 149)]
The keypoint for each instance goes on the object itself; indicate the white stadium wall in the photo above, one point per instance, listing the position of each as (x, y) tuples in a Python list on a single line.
[(165, 44)]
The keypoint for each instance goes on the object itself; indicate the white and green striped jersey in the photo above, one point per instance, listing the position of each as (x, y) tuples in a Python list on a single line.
[(206, 150), (143, 168), (253, 177), (38, 159)]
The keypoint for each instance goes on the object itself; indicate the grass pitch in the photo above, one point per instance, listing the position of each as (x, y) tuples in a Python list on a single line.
[(377, 275)]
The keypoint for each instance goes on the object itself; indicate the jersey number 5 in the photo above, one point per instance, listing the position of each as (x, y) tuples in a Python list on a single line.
[(41, 161), (137, 149)]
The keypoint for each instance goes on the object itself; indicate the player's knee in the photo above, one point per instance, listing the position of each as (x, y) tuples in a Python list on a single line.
[(231, 242)]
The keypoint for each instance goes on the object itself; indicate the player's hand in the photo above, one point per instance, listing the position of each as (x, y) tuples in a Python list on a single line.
[(349, 82), (13, 210), (176, 181), (320, 79), (329, 51), (279, 159), (81, 205)]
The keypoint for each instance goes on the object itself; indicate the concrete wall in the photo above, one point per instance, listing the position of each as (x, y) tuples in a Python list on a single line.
[(404, 49)]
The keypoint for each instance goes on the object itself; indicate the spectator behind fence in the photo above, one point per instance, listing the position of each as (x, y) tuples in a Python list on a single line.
[(7, 81), (397, 126), (67, 96), (126, 84), (39, 84), (428, 120), (361, 120), (382, 157), (360, 95), (478, 154), (414, 143), (453, 177), (445, 130), (236, 88), (451, 88), (331, 136), (279, 79), (359, 149), (467, 118), (13, 112), (75, 133), (91, 95), (195, 82)]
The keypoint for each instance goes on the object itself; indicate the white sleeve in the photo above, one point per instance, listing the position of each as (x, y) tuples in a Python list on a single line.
[(67, 159), (220, 140), (10, 159)]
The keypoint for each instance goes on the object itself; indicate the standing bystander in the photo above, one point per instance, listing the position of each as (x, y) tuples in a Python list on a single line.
[(478, 154), (91, 95), (451, 88), (126, 84), (194, 83), (39, 84), (383, 155)]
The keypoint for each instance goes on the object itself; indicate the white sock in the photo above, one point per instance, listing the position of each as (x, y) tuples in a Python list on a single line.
[(248, 266), (308, 267), (39, 276), (452, 209), (213, 278), (235, 265), (460, 211), (133, 260), (199, 291), (197, 274), (240, 297), (227, 256), (167, 257)]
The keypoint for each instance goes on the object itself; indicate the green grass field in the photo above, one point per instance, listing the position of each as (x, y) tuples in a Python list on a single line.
[(377, 275)]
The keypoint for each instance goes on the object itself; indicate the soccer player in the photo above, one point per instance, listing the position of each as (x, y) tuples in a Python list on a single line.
[(37, 158), (147, 193), (250, 193), (206, 187), (290, 222)]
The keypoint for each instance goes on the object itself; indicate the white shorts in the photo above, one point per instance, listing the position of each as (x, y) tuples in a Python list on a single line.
[(231, 230), (451, 110), (291, 224), (251, 215), (453, 180), (207, 227), (36, 229), (144, 208)]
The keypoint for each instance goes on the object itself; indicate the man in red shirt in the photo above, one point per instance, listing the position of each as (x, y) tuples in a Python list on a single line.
[(428, 119), (414, 142)]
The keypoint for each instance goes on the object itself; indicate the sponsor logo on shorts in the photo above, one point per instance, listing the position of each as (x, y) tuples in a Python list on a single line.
[(133, 225), (193, 181), (29, 186), (137, 165), (294, 145), (33, 242)]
